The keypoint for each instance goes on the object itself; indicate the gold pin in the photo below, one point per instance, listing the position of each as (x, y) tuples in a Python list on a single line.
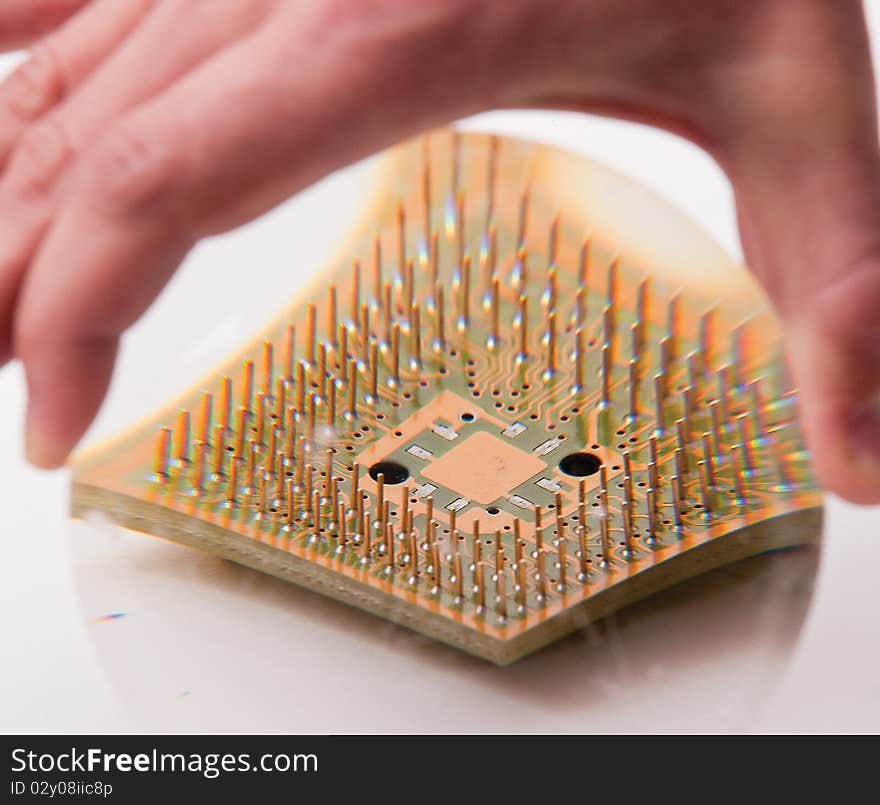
[(280, 400), (682, 440), (583, 278), (317, 514), (436, 570), (551, 297), (331, 314), (633, 392), (380, 488), (232, 485), (364, 334), (660, 412), (199, 469), (562, 560), (389, 546), (653, 462), (217, 473), (519, 559), (550, 371), (739, 476), (241, 430), (247, 385), (677, 498), (500, 595), (261, 417), (352, 409), (401, 238), (499, 553), (495, 312), (340, 526), (605, 402), (311, 334), (651, 504), (374, 373), (464, 294), (426, 192), (706, 484), (434, 262), (606, 538), (312, 421), (301, 386), (717, 427), (291, 505), (491, 264), (413, 556), (476, 545), (642, 301), (665, 362), (250, 467), (163, 456), (708, 459), (328, 474), (613, 271), (261, 494), (604, 515), (225, 402), (439, 320), (331, 404), (539, 555), (522, 224), (456, 569), (745, 441), (480, 586), (579, 360), (408, 290), (377, 271), (394, 377), (322, 370), (181, 450), (268, 367), (416, 338), (387, 313), (520, 274), (205, 417), (523, 323), (342, 339), (289, 352), (461, 236)]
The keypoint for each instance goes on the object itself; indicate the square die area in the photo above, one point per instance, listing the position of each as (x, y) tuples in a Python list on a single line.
[(483, 468)]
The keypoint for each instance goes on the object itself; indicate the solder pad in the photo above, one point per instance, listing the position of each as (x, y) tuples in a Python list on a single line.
[(525, 395)]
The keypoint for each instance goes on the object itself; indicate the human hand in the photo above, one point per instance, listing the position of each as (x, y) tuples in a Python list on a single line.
[(138, 127)]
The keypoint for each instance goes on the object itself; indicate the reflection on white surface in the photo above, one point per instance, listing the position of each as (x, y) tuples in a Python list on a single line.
[(200, 644)]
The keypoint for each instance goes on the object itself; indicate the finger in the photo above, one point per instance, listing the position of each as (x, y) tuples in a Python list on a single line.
[(225, 143), (23, 21), (30, 187), (808, 194), (60, 61)]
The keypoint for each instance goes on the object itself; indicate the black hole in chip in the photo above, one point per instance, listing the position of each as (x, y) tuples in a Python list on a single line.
[(467, 416), (394, 473), (580, 464), (493, 510)]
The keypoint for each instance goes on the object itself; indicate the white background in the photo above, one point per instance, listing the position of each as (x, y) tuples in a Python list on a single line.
[(205, 646)]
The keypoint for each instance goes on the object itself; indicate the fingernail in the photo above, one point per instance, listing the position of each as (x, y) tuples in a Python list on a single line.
[(39, 449), (865, 431)]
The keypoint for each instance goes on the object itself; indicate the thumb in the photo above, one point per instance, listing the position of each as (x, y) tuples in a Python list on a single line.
[(808, 199)]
